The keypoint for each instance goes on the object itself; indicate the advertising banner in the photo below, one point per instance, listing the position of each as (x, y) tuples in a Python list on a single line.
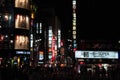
[(97, 54)]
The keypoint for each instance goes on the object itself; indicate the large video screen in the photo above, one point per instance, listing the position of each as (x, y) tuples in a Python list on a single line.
[(22, 4), (22, 42), (97, 54), (22, 22)]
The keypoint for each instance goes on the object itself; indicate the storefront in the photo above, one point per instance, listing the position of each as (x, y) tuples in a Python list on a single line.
[(92, 59)]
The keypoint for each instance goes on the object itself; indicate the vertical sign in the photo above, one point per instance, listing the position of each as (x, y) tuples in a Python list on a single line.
[(53, 48), (74, 25)]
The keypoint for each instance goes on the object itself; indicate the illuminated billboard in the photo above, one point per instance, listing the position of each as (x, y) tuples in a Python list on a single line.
[(41, 55), (22, 52), (97, 54), (22, 22), (22, 4), (21, 42)]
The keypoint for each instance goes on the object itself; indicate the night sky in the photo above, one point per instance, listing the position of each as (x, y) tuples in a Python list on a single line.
[(96, 19)]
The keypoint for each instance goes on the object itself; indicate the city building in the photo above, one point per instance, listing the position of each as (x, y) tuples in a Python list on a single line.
[(15, 19), (6, 30), (47, 35)]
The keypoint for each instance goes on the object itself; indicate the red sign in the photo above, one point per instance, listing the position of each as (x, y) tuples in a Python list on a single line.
[(53, 48)]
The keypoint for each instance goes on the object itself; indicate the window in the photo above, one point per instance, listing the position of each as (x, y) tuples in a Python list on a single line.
[(22, 4), (21, 42), (22, 22)]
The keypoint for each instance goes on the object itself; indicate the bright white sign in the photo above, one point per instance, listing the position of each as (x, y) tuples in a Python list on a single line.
[(97, 54)]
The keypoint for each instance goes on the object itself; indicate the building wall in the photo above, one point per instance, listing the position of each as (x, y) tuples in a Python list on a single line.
[(14, 26), (51, 25)]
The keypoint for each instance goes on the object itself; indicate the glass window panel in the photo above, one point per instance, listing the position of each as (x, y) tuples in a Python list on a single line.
[(21, 42), (22, 4), (22, 22)]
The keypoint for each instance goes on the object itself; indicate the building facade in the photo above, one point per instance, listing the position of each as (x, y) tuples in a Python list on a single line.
[(15, 18), (47, 35)]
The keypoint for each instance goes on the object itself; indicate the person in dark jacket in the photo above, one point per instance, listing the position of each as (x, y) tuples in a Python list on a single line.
[(63, 58)]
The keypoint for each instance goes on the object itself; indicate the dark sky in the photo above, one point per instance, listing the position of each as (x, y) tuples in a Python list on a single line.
[(63, 9), (95, 18)]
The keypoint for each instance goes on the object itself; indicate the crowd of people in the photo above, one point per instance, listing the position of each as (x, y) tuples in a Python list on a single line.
[(57, 73), (75, 72)]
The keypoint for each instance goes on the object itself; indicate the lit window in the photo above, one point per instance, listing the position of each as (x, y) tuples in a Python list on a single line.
[(21, 42), (22, 22), (22, 3)]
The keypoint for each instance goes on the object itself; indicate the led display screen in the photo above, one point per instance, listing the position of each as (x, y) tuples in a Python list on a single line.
[(22, 22), (22, 4), (21, 42)]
